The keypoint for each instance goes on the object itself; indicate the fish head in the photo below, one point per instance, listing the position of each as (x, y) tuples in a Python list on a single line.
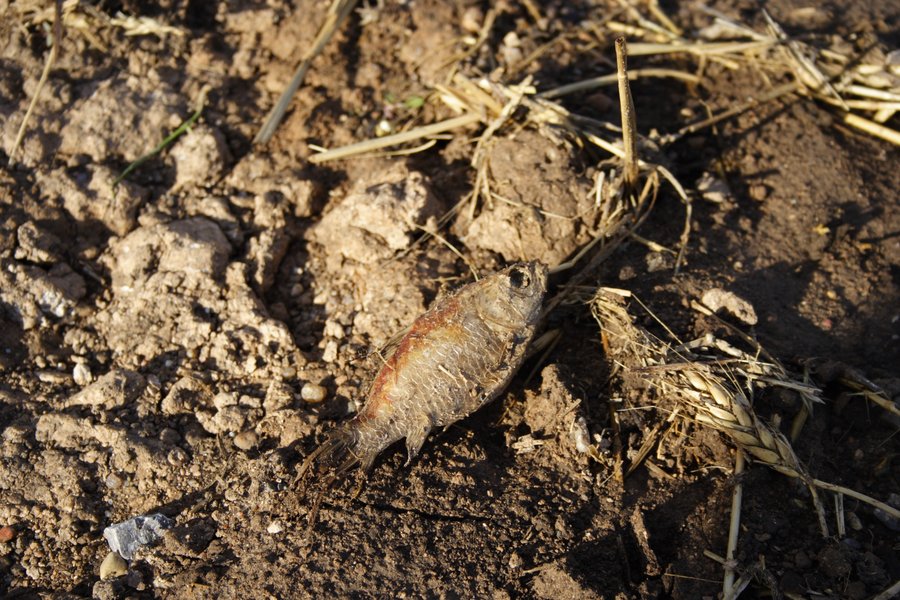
[(518, 294)]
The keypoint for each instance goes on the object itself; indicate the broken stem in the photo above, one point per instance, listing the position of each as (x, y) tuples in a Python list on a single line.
[(626, 105), (734, 528)]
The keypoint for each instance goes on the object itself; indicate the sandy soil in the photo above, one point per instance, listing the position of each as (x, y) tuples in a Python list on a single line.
[(179, 343)]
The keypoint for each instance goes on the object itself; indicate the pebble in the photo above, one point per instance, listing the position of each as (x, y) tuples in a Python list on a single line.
[(52, 376), (331, 351), (246, 440), (472, 19), (82, 375), (113, 481), (275, 527), (313, 393), (7, 534), (759, 192), (113, 566), (334, 329)]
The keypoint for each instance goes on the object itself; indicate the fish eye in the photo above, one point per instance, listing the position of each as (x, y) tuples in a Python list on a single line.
[(519, 278)]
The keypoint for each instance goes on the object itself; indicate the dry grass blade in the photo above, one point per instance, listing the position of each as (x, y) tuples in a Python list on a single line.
[(595, 82), (387, 141), (337, 12), (51, 59), (709, 389)]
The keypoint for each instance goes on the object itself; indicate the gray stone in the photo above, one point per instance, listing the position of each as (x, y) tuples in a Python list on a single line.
[(129, 536)]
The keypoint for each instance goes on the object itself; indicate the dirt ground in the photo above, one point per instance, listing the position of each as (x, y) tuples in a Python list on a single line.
[(179, 343)]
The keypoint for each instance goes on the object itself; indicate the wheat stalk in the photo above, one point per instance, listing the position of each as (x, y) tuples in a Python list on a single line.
[(710, 392)]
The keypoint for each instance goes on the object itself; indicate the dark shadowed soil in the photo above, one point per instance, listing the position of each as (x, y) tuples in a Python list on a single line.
[(178, 343)]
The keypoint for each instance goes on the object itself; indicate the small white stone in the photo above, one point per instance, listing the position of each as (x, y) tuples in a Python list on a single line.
[(334, 329), (472, 19), (580, 435), (330, 353), (313, 393), (275, 527), (52, 376), (113, 566), (82, 375)]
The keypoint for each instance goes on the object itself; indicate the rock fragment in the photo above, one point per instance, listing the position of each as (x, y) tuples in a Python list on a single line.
[(128, 537), (116, 388), (716, 299)]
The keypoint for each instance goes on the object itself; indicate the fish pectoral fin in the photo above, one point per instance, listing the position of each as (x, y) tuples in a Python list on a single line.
[(415, 439)]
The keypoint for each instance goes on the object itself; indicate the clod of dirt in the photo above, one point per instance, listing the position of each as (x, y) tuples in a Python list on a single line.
[(286, 187), (88, 196), (554, 413), (31, 294), (200, 157), (379, 216), (124, 116), (246, 440), (716, 299), (209, 311), (37, 245), (834, 561), (542, 208), (555, 582), (116, 388), (130, 453), (264, 255), (186, 396)]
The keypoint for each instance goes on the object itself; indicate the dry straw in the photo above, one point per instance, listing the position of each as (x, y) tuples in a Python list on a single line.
[(715, 390)]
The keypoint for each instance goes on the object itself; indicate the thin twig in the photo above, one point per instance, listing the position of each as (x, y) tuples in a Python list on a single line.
[(337, 12), (832, 487), (777, 92)]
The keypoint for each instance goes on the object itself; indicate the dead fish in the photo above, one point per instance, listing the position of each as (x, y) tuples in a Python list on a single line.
[(455, 358)]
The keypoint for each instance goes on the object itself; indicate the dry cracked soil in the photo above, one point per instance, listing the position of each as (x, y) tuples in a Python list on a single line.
[(177, 343)]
